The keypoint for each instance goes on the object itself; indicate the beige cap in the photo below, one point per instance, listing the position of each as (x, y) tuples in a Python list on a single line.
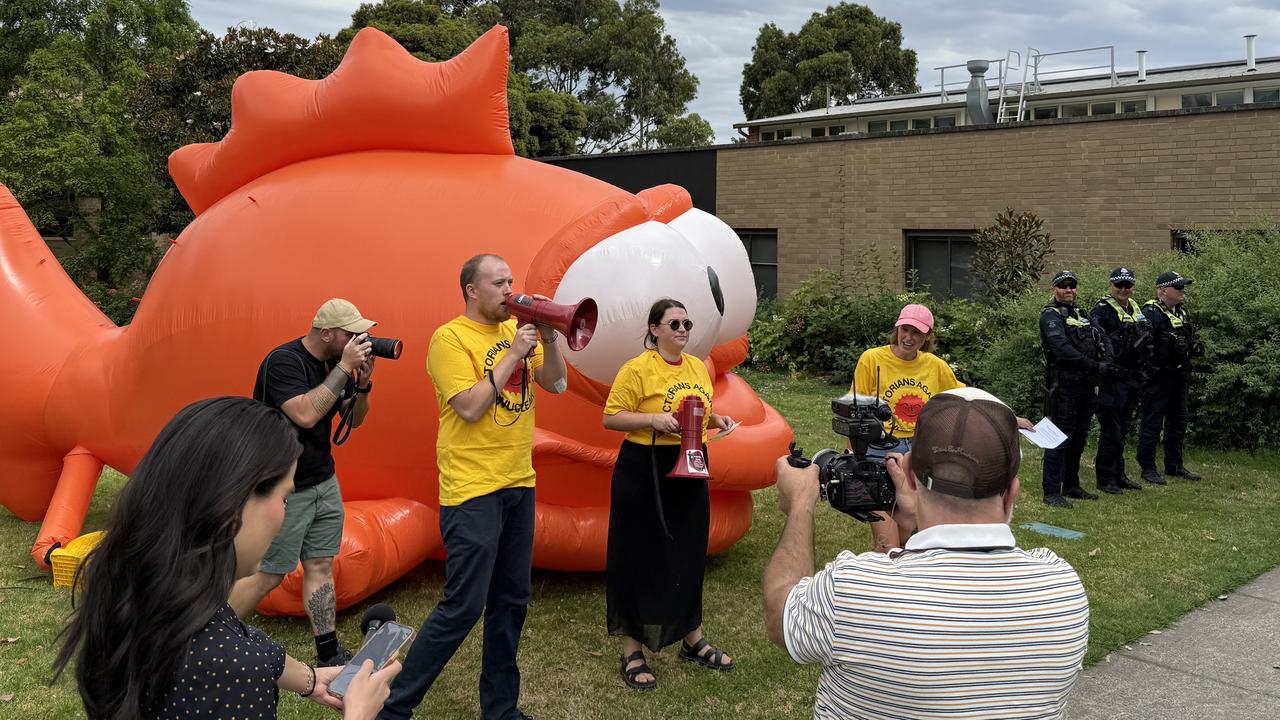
[(341, 314)]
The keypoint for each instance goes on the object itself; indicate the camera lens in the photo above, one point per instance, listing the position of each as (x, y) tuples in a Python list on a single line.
[(389, 348)]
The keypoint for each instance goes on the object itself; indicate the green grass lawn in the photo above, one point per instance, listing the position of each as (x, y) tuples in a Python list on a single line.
[(1147, 559)]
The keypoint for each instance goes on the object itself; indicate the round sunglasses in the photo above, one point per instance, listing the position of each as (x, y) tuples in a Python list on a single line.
[(675, 325)]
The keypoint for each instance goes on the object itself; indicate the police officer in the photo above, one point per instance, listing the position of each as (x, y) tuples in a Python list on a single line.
[(1118, 395), (1076, 354), (1175, 345)]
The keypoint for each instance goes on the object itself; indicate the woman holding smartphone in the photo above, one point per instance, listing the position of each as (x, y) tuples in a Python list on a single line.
[(658, 526), (152, 634)]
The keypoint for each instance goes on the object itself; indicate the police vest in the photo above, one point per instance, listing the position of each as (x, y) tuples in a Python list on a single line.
[(1082, 333), (1176, 347), (1133, 343)]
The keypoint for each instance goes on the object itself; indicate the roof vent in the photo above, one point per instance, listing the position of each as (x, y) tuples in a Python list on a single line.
[(1250, 62), (1142, 66), (977, 97)]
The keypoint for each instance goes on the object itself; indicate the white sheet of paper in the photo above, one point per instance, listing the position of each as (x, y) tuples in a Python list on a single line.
[(724, 432), (1046, 435)]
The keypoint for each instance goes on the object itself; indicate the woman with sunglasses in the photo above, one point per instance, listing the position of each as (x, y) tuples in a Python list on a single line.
[(152, 635), (658, 525)]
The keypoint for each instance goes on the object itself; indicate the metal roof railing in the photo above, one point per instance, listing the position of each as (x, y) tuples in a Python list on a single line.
[(998, 63), (1109, 66)]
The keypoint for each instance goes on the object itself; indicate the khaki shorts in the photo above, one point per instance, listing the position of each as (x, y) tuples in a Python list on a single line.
[(312, 528)]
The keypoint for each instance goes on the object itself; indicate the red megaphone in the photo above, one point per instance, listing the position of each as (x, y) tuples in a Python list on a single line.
[(691, 463), (577, 322)]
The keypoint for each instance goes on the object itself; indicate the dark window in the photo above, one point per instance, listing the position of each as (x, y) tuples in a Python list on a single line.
[(942, 261), (1103, 108), (1133, 106), (1075, 110), (1045, 113), (766, 136), (762, 250), (1268, 95), (1197, 100), (1178, 240), (784, 134), (817, 132), (897, 124), (944, 121), (920, 124), (1231, 97), (835, 130), (877, 126)]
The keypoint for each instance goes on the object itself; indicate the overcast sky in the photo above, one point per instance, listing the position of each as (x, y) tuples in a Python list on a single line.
[(716, 36)]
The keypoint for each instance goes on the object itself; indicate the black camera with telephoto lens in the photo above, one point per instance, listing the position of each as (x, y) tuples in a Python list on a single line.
[(848, 480), (388, 348)]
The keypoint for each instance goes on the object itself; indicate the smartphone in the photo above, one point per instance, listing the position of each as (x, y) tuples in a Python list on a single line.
[(381, 647)]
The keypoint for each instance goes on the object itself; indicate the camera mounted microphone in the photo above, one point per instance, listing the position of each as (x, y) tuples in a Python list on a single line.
[(375, 616)]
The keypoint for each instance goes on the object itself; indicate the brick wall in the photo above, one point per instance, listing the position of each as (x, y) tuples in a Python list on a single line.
[(1109, 189)]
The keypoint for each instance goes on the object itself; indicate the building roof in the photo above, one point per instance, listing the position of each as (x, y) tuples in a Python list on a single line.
[(1083, 85)]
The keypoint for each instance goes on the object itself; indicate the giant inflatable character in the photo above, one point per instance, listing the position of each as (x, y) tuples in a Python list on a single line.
[(374, 184)]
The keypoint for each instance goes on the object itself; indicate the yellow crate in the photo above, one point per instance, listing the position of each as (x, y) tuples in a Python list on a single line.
[(65, 560)]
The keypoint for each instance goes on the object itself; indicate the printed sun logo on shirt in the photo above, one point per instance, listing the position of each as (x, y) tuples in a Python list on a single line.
[(908, 408), (676, 393), (907, 397), (519, 384)]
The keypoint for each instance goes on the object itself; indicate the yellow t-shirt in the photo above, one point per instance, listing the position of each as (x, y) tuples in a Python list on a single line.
[(650, 384), (484, 456), (905, 386)]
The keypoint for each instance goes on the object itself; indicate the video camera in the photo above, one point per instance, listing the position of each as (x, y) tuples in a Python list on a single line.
[(848, 480)]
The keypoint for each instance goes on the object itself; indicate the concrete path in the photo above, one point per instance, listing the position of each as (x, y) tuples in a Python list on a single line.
[(1221, 661)]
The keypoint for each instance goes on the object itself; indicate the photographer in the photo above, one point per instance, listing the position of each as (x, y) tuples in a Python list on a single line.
[(310, 379), (152, 635), (961, 621)]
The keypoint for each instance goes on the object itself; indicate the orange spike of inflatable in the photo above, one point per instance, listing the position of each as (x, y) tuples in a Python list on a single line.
[(375, 184)]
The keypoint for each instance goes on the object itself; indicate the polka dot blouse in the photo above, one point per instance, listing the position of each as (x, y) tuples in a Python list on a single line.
[(230, 672)]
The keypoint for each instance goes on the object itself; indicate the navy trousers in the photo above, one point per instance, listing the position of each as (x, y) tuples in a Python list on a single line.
[(489, 545)]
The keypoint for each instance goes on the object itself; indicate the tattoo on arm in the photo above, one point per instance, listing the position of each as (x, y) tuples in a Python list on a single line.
[(322, 608), (326, 393)]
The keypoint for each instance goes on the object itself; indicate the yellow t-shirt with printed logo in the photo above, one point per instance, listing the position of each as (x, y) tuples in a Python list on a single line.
[(650, 384), (491, 453), (905, 385)]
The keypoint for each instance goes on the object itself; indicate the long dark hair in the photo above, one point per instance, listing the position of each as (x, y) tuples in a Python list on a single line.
[(168, 559), (656, 312)]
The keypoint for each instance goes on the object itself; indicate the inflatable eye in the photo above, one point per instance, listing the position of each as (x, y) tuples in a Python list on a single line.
[(625, 274), (730, 269)]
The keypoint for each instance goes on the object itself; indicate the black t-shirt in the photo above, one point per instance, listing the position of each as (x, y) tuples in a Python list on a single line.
[(230, 671), (290, 371)]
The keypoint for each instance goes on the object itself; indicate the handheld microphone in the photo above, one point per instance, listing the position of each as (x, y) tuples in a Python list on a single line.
[(375, 616)]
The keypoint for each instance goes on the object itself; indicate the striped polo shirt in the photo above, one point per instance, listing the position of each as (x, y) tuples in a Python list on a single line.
[(960, 624)]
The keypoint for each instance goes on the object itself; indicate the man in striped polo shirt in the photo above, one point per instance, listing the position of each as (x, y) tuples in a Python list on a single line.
[(957, 623)]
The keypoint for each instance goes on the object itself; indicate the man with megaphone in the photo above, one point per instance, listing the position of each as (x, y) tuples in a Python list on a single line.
[(484, 366)]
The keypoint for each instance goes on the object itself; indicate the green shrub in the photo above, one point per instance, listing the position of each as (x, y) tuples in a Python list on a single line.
[(1010, 255), (822, 327)]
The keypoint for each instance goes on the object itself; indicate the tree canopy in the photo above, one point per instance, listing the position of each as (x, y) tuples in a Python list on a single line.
[(839, 55)]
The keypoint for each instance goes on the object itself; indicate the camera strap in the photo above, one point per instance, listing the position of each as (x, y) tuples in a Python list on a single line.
[(657, 484)]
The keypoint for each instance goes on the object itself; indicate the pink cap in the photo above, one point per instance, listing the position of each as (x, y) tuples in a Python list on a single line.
[(917, 316)]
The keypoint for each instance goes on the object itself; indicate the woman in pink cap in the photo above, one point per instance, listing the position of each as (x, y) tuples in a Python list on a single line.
[(905, 374)]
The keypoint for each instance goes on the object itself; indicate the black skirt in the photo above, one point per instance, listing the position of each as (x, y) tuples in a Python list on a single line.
[(655, 581)]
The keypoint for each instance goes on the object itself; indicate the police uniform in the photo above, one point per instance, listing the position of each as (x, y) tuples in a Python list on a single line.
[(1121, 390), (1076, 353), (1175, 344)]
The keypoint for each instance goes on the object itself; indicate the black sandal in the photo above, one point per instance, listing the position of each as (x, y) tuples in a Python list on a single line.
[(712, 659), (629, 676)]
